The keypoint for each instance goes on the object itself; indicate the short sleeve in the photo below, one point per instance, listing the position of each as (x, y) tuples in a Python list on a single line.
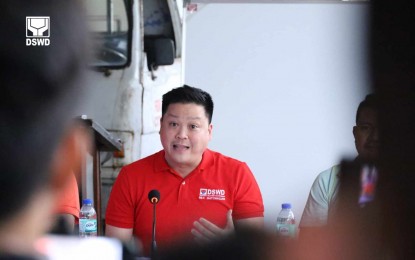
[(248, 201), (68, 202), (120, 208), (319, 200)]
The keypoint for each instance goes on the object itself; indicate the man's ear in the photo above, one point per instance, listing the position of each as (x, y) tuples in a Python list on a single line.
[(354, 131), (69, 155), (161, 122)]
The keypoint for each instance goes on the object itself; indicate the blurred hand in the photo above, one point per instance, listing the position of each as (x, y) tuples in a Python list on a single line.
[(204, 230)]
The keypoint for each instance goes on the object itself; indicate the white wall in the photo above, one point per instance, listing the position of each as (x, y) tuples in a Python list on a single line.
[(286, 80)]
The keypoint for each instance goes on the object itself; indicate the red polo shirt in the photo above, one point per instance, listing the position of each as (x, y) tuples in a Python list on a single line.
[(218, 184)]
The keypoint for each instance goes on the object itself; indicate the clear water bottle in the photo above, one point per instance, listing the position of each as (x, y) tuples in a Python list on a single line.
[(286, 222), (87, 220)]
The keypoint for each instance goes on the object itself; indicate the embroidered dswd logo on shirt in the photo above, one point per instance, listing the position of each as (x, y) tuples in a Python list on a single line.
[(211, 194)]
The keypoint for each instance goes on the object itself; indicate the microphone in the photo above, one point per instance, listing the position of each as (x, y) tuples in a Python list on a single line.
[(154, 198)]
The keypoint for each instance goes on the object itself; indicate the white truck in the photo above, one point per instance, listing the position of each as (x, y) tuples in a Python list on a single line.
[(138, 57)]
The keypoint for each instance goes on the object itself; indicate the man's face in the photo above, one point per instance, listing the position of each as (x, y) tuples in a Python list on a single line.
[(366, 135), (185, 133)]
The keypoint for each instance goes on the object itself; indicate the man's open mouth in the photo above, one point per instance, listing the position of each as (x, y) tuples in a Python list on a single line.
[(180, 146)]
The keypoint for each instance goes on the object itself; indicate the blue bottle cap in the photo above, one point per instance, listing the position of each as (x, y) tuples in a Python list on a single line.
[(87, 201), (286, 205)]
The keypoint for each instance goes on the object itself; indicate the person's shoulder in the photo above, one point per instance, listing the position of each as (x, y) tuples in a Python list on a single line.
[(221, 158), (329, 174), (333, 170)]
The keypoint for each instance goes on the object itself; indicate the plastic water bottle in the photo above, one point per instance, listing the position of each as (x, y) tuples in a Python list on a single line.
[(87, 220), (286, 222)]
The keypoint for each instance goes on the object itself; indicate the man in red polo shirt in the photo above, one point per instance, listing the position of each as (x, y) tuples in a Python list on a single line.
[(204, 194)]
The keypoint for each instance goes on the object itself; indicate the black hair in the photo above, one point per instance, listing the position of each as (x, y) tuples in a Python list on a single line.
[(371, 101), (187, 95), (40, 89)]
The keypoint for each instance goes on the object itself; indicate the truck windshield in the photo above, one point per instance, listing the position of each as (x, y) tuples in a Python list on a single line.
[(109, 24)]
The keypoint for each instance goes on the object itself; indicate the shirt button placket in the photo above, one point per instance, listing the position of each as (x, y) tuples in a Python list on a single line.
[(182, 190)]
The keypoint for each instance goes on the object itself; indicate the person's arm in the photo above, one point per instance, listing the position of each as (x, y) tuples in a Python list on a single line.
[(69, 220), (315, 213), (67, 208), (119, 214), (257, 222), (63, 224), (248, 205), (124, 234)]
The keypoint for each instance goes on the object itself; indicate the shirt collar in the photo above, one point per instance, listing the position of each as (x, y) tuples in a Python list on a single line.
[(160, 163)]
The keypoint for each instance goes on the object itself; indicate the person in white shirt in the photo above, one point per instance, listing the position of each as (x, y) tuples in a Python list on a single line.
[(324, 190)]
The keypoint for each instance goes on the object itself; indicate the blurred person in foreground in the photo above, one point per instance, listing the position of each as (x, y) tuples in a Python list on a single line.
[(40, 143), (243, 244), (323, 193), (384, 228), (203, 194)]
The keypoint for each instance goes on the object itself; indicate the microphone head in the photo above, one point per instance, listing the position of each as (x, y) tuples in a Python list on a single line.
[(154, 196)]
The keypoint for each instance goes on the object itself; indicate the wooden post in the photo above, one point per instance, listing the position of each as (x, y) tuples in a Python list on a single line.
[(104, 141)]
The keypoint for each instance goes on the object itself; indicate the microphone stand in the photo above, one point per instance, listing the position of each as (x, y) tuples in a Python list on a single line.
[(153, 240)]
